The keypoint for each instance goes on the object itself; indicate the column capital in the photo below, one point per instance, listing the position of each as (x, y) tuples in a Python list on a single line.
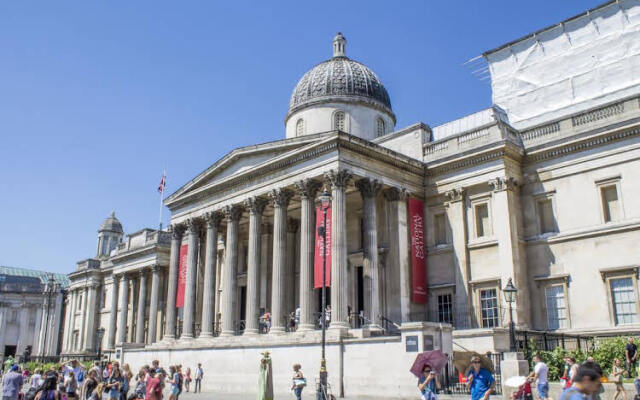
[(233, 213), (194, 225), (307, 188), (281, 197), (501, 183), (256, 205), (156, 268), (213, 219), (142, 273), (177, 230), (292, 225), (338, 178), (455, 194), (368, 187), (395, 194)]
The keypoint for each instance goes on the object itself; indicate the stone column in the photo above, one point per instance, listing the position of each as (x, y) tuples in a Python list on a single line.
[(3, 328), (232, 216), (398, 198), (83, 318), (339, 314), (290, 276), (51, 344), (111, 335), (142, 298), (507, 228), (172, 286), (71, 324), (193, 230), (91, 314), (266, 257), (124, 309), (67, 320), (209, 290), (256, 206), (153, 305), (457, 215), (369, 189), (307, 190), (281, 199), (24, 323)]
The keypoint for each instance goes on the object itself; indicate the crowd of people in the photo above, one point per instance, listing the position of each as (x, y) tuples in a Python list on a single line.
[(71, 380)]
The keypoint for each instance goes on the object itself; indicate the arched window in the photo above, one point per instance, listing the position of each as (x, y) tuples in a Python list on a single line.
[(338, 121), (380, 127), (300, 127)]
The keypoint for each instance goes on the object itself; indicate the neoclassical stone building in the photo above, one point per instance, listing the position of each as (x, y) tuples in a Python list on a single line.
[(541, 189)]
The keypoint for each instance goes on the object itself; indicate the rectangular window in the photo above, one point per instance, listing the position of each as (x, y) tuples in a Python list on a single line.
[(440, 228), (624, 301), (445, 308), (79, 303), (483, 227), (610, 203), (545, 216), (556, 307), (489, 308)]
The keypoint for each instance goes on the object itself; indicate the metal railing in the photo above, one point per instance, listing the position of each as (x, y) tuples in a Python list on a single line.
[(390, 327), (455, 381)]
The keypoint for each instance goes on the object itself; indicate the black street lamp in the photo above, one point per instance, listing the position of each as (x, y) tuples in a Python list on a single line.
[(100, 335), (325, 203), (510, 293)]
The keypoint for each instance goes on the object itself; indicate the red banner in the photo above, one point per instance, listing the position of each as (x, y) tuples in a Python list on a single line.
[(182, 276), (318, 260), (418, 251)]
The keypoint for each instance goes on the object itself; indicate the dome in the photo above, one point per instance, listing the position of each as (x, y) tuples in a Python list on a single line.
[(111, 224), (340, 79)]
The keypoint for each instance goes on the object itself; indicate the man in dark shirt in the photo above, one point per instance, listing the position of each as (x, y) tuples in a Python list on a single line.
[(631, 352)]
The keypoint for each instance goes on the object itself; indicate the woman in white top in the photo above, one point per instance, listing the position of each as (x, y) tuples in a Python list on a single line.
[(36, 378)]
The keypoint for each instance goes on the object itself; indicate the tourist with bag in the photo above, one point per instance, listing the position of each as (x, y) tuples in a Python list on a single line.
[(586, 382), (299, 381), (616, 377)]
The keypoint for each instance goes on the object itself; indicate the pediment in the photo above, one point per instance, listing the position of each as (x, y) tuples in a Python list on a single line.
[(243, 159)]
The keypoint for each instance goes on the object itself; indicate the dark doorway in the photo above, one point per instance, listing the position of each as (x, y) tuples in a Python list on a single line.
[(9, 351), (360, 295), (319, 294), (243, 302)]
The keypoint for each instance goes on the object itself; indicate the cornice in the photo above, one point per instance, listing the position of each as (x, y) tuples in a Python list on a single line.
[(140, 251)]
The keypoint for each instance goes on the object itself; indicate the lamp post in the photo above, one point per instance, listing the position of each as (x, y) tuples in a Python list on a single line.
[(325, 203), (510, 292), (100, 334), (50, 288)]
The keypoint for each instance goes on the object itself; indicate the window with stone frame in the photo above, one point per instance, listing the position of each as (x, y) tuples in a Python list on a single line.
[(380, 128), (339, 121), (482, 220), (611, 210), (445, 307), (300, 127), (546, 217), (13, 316), (623, 297), (556, 307), (79, 305), (32, 317), (103, 296), (489, 312), (440, 229)]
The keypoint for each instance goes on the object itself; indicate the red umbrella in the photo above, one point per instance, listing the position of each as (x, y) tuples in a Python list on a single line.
[(435, 359)]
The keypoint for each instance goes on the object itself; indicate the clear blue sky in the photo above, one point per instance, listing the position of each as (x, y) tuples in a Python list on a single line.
[(97, 97)]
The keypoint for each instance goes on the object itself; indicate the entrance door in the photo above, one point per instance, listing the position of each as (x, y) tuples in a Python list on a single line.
[(359, 297), (10, 351), (243, 303)]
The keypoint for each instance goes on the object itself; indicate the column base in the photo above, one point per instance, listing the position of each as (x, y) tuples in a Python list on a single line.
[(227, 333), (339, 325), (205, 335), (186, 338), (306, 327), (276, 330), (251, 332)]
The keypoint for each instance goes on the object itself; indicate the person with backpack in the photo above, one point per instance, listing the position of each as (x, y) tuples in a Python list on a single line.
[(586, 382), (175, 381)]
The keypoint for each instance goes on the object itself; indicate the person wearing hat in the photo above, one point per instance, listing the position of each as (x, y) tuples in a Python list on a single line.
[(12, 383), (479, 381)]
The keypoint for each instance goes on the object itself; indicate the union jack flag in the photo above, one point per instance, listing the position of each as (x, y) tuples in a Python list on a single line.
[(162, 184)]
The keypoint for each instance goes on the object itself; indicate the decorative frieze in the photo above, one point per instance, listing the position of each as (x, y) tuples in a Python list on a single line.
[(598, 114)]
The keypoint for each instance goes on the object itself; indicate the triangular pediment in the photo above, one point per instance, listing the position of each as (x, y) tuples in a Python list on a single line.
[(243, 159)]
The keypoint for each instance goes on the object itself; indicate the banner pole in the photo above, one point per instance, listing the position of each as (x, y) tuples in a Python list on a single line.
[(161, 198)]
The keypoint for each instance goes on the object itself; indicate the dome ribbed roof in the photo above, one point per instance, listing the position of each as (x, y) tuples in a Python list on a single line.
[(111, 224), (339, 78)]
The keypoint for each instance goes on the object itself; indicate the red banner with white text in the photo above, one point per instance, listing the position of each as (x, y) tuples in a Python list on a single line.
[(319, 249), (182, 275), (418, 251)]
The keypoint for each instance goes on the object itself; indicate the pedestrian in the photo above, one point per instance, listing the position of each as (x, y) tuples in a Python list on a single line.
[(8, 364), (71, 385), (89, 384), (586, 382), (126, 380), (153, 386), (631, 353), (48, 390), (106, 372), (174, 380), (141, 385), (265, 379), (96, 367), (299, 381), (267, 320), (480, 381), (96, 393), (297, 316), (427, 384), (524, 391), (539, 375), (199, 376), (573, 370), (12, 383), (616, 377), (36, 378), (292, 322), (187, 379), (114, 383)]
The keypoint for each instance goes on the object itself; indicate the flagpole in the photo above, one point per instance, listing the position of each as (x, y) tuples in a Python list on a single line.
[(161, 198)]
